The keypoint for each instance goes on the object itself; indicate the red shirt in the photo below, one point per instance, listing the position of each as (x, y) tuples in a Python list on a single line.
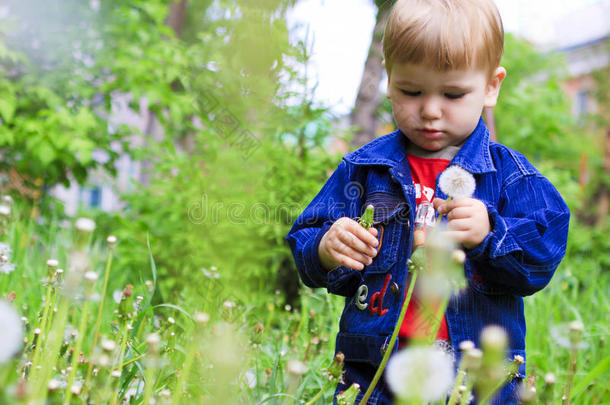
[(418, 320)]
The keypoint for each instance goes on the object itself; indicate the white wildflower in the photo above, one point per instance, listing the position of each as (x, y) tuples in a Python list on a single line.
[(111, 239), (228, 304), (53, 263), (457, 182), (86, 225), (5, 210), (11, 332), (108, 345), (563, 334), (421, 373), (249, 379), (212, 273)]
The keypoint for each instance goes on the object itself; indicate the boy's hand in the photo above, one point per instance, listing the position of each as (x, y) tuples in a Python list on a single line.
[(347, 243), (468, 220)]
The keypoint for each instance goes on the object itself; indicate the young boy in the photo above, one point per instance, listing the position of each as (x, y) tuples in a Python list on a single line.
[(443, 63)]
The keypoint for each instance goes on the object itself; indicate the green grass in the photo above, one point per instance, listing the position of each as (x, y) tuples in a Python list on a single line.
[(241, 355)]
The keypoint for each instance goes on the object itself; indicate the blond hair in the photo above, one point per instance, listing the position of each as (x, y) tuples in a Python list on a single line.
[(444, 34)]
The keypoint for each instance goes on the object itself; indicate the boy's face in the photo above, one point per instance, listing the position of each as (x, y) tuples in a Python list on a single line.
[(436, 109)]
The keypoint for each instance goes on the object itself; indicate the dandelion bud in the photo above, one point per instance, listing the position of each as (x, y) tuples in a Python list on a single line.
[(108, 345), (76, 389), (336, 367), (91, 276), (296, 367), (462, 389), (53, 385), (85, 225), (11, 296), (348, 397), (472, 359), (52, 264), (458, 256), (576, 328), (466, 345), (494, 339), (259, 328), (201, 317)]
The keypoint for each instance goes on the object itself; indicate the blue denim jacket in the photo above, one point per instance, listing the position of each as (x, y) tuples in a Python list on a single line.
[(529, 227)]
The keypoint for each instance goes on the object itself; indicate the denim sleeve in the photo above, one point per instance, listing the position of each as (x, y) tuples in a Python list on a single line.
[(339, 197), (529, 231)]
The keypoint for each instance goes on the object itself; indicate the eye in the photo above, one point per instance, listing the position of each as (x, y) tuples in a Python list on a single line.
[(454, 96), (411, 93)]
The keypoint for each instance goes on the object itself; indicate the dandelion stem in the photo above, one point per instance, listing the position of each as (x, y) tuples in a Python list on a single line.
[(512, 369), (82, 329), (123, 345), (186, 369), (440, 313), (465, 399), (571, 372), (43, 326), (320, 393), (98, 321), (458, 381), (390, 346)]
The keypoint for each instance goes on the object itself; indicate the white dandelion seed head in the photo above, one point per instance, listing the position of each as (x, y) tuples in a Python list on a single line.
[(86, 225), (91, 276), (111, 240), (8, 199), (53, 263), (228, 304), (563, 335), (250, 379), (53, 384), (457, 182), (422, 373), (115, 374), (549, 379), (11, 333)]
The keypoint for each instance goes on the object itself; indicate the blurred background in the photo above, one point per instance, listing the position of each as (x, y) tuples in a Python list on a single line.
[(208, 126)]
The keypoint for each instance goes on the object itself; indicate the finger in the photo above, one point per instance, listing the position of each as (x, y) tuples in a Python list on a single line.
[(437, 202), (464, 224), (457, 236), (373, 231), (349, 262), (344, 250), (361, 233), (459, 212), (352, 241)]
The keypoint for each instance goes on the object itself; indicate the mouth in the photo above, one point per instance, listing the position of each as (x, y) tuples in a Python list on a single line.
[(432, 133)]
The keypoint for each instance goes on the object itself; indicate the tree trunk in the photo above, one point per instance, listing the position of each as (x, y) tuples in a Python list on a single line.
[(175, 19), (367, 102)]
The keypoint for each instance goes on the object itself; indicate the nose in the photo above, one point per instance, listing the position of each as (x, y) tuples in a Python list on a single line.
[(431, 108)]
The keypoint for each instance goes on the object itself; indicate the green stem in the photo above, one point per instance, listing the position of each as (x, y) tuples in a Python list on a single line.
[(512, 369), (43, 327), (320, 393), (98, 322), (458, 381), (390, 346), (79, 344), (186, 369), (148, 390), (572, 371), (440, 313), (466, 394), (124, 335)]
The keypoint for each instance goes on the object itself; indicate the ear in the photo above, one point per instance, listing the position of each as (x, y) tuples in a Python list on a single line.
[(493, 87), (387, 91)]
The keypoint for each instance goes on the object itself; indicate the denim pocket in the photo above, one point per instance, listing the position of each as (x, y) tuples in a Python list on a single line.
[(391, 220)]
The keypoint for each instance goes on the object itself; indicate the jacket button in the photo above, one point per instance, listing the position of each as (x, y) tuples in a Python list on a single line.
[(394, 289)]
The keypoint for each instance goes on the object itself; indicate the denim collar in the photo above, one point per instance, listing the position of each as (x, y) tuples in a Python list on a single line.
[(391, 149)]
